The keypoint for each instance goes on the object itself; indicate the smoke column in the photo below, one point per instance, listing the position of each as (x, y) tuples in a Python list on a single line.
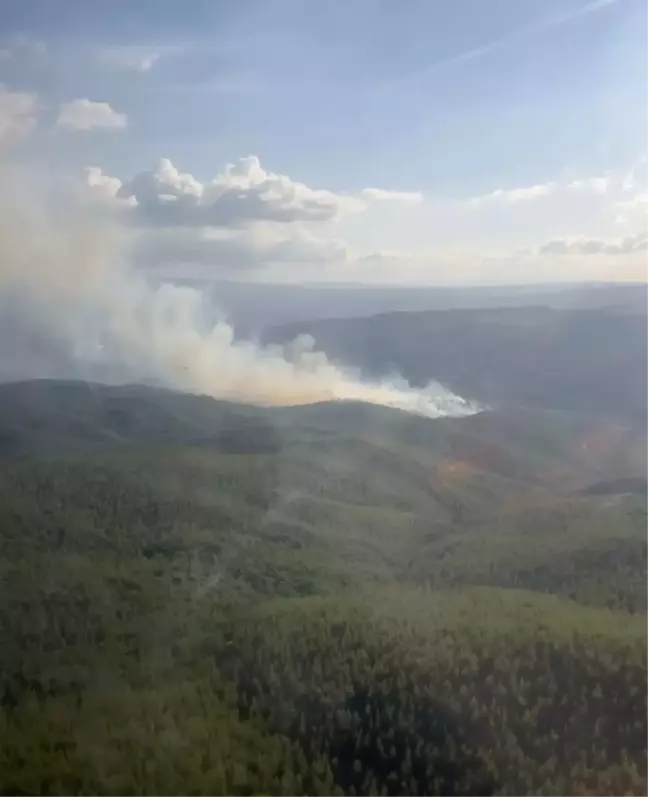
[(70, 276)]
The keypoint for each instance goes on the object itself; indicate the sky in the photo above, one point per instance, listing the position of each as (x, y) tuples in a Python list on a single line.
[(419, 141)]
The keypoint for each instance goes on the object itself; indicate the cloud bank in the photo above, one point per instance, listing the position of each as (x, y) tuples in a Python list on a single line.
[(596, 246), (250, 219), (245, 217)]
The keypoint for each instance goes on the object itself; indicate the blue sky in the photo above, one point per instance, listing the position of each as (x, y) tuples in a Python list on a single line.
[(451, 101)]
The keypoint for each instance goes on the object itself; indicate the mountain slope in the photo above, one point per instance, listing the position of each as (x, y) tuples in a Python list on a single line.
[(376, 603), (55, 417), (590, 360)]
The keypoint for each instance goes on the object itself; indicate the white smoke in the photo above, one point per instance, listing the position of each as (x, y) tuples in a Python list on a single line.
[(72, 277)]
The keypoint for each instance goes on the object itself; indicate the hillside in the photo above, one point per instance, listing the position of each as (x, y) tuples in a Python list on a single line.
[(56, 416), (589, 360), (340, 598)]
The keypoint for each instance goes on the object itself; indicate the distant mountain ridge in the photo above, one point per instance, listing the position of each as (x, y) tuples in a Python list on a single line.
[(588, 360)]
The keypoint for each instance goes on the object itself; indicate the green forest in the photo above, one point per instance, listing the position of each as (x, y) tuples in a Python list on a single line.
[(203, 598)]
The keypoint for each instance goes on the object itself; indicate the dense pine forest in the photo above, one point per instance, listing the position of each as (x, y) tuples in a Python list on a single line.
[(204, 598)]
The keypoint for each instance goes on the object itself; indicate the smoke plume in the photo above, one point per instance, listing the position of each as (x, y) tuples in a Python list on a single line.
[(68, 272)]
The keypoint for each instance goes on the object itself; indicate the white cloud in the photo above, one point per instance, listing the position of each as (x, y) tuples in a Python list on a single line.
[(528, 193), (633, 211), (598, 185), (515, 195), (103, 185), (18, 114), (596, 246), (591, 207), (103, 189), (380, 195), (84, 114), (250, 218), (242, 193), (175, 204), (128, 58), (596, 206)]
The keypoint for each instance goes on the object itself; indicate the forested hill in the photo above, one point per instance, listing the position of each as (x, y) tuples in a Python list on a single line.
[(57, 417), (588, 360), (204, 597)]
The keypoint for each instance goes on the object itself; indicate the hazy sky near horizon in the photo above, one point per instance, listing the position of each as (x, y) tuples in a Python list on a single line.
[(416, 141)]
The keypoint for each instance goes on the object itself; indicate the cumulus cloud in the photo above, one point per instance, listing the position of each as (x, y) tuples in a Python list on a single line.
[(84, 114), (104, 186), (221, 241), (18, 114), (245, 217), (104, 189), (243, 192)]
